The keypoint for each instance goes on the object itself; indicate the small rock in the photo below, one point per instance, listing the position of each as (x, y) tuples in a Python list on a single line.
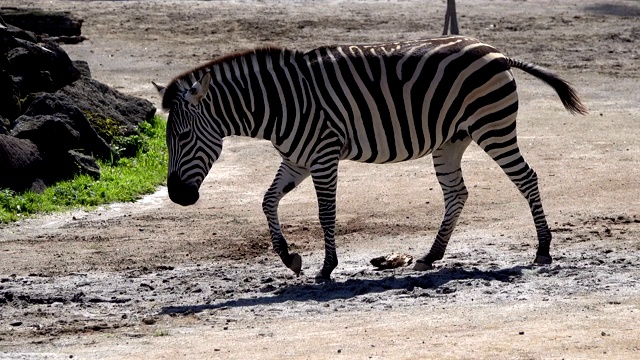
[(392, 261), (521, 333), (268, 288), (149, 321), (147, 286), (15, 323)]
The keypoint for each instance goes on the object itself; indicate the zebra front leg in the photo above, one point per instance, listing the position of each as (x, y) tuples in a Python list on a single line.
[(446, 161), (325, 179), (288, 177)]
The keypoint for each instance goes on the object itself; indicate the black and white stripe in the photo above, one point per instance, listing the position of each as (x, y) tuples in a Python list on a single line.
[(370, 103)]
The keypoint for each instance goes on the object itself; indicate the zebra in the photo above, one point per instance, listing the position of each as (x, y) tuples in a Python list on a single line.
[(380, 103)]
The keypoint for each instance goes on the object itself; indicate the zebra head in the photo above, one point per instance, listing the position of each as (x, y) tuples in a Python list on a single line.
[(193, 140)]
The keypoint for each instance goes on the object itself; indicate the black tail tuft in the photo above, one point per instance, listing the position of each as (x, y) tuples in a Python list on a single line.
[(566, 92)]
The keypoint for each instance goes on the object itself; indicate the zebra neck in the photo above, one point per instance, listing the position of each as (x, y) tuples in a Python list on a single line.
[(260, 94)]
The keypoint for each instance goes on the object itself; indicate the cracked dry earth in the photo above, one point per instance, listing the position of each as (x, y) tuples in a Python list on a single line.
[(153, 280)]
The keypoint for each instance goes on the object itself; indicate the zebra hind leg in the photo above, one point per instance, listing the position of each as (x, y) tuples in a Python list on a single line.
[(526, 180), (287, 178), (446, 161), (503, 149)]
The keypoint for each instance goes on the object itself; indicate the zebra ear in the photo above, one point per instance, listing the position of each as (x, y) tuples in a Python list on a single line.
[(161, 89), (199, 89)]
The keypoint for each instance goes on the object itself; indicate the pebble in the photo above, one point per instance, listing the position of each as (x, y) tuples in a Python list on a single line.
[(16, 323), (149, 321)]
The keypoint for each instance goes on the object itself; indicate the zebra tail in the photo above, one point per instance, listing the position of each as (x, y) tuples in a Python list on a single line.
[(566, 92)]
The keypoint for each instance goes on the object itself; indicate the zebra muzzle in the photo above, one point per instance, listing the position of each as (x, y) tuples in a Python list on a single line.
[(180, 192)]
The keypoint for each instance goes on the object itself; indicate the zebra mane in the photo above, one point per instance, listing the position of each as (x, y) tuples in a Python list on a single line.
[(186, 79)]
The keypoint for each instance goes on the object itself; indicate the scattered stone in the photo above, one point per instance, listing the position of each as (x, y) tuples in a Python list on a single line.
[(392, 261), (149, 321), (15, 323), (446, 290), (146, 286), (98, 327), (267, 288)]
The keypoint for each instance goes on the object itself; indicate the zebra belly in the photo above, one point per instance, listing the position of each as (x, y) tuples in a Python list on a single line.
[(381, 155)]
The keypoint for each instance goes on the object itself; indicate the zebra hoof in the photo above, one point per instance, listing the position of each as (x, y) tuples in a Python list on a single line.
[(422, 266), (296, 263), (542, 260), (321, 278)]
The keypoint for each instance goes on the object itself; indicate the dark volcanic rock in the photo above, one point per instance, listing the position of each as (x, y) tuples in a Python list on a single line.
[(26, 67), (9, 96), (51, 133), (40, 68), (20, 163), (18, 33), (24, 167), (63, 109), (83, 67), (4, 125), (77, 163), (54, 23), (94, 97)]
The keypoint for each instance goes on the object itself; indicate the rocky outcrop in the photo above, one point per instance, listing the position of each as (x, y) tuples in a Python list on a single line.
[(55, 119)]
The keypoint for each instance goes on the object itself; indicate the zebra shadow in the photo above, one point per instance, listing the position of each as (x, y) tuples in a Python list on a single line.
[(341, 290), (611, 8)]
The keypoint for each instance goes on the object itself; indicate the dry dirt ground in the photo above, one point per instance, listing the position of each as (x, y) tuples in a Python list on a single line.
[(153, 280)]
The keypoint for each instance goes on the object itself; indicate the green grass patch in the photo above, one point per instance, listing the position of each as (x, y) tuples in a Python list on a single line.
[(124, 180)]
